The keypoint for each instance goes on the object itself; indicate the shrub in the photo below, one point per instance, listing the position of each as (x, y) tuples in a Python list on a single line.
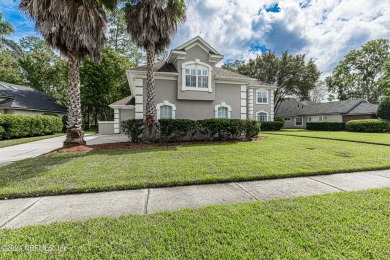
[(279, 119), (384, 108), (17, 126), (133, 129), (368, 126), (65, 123), (325, 126), (252, 128), (176, 129), (2, 131), (50, 114), (271, 125)]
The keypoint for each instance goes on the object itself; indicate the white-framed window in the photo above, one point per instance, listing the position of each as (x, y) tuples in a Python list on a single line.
[(261, 96), (287, 119), (261, 116), (196, 76), (298, 121), (223, 111), (166, 110), (316, 118)]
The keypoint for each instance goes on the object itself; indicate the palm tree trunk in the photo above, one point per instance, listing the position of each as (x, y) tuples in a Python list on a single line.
[(149, 134), (75, 134)]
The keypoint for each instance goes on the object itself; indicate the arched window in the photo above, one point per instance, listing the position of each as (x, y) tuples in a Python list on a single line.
[(261, 116), (166, 110), (223, 111), (196, 76)]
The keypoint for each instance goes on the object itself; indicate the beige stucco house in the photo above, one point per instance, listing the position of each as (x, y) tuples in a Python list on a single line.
[(189, 85)]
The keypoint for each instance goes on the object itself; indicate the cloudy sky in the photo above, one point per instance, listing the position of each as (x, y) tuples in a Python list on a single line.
[(324, 30)]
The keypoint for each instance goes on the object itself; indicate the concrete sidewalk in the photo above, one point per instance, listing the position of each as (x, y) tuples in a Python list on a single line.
[(33, 149), (44, 210)]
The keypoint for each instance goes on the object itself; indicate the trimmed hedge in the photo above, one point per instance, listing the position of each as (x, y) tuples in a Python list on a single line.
[(175, 130), (133, 129), (17, 126), (272, 125), (368, 126), (384, 108), (325, 126)]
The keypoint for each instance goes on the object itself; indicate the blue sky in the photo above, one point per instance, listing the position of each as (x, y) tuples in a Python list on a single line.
[(324, 30)]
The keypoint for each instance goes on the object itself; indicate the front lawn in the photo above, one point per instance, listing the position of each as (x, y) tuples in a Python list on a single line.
[(274, 157), (354, 225), (11, 142), (376, 138)]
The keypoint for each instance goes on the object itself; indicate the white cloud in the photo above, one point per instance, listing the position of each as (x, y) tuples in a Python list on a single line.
[(323, 30)]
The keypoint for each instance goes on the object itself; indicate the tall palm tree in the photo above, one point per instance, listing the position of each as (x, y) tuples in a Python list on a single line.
[(6, 29), (77, 29), (151, 25)]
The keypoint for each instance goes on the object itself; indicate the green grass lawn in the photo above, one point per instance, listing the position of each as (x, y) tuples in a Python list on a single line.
[(11, 142), (276, 157), (354, 225), (378, 138)]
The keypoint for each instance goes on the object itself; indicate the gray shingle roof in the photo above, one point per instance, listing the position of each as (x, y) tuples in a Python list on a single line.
[(364, 108), (219, 72), (22, 97), (291, 107), (160, 66), (127, 101)]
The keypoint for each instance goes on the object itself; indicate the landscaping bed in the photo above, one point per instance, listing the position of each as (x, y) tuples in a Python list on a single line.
[(353, 225), (276, 156)]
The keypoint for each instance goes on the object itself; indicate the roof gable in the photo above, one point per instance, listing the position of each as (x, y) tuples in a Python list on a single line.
[(197, 41)]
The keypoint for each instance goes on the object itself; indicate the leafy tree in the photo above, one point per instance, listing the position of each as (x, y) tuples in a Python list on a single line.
[(318, 93), (360, 73), (233, 65), (291, 74), (9, 67), (384, 108), (118, 38), (385, 81), (103, 83), (6, 29), (151, 24), (77, 29), (43, 69)]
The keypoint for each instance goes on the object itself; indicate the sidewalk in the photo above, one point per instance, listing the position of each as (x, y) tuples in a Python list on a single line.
[(44, 210), (33, 149)]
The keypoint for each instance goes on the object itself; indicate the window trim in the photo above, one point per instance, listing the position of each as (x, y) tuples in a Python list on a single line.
[(265, 112), (165, 103), (295, 121), (197, 62), (223, 104), (256, 97), (319, 117)]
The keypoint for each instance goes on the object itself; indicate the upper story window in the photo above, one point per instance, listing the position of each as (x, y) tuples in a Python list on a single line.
[(261, 96), (196, 76)]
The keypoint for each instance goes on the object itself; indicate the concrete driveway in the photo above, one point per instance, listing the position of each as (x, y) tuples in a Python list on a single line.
[(29, 150)]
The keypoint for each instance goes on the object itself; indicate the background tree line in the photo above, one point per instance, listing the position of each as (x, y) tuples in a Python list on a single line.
[(31, 62)]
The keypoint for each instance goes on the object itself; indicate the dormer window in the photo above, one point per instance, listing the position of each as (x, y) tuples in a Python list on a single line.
[(196, 76)]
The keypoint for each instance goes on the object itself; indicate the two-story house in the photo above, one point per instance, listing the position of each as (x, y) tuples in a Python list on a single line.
[(190, 86)]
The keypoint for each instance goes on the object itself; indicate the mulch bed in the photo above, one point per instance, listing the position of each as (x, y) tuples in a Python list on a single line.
[(134, 146)]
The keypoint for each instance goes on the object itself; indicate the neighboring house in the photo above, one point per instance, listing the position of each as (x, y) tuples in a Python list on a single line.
[(190, 86), (296, 114), (21, 100)]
